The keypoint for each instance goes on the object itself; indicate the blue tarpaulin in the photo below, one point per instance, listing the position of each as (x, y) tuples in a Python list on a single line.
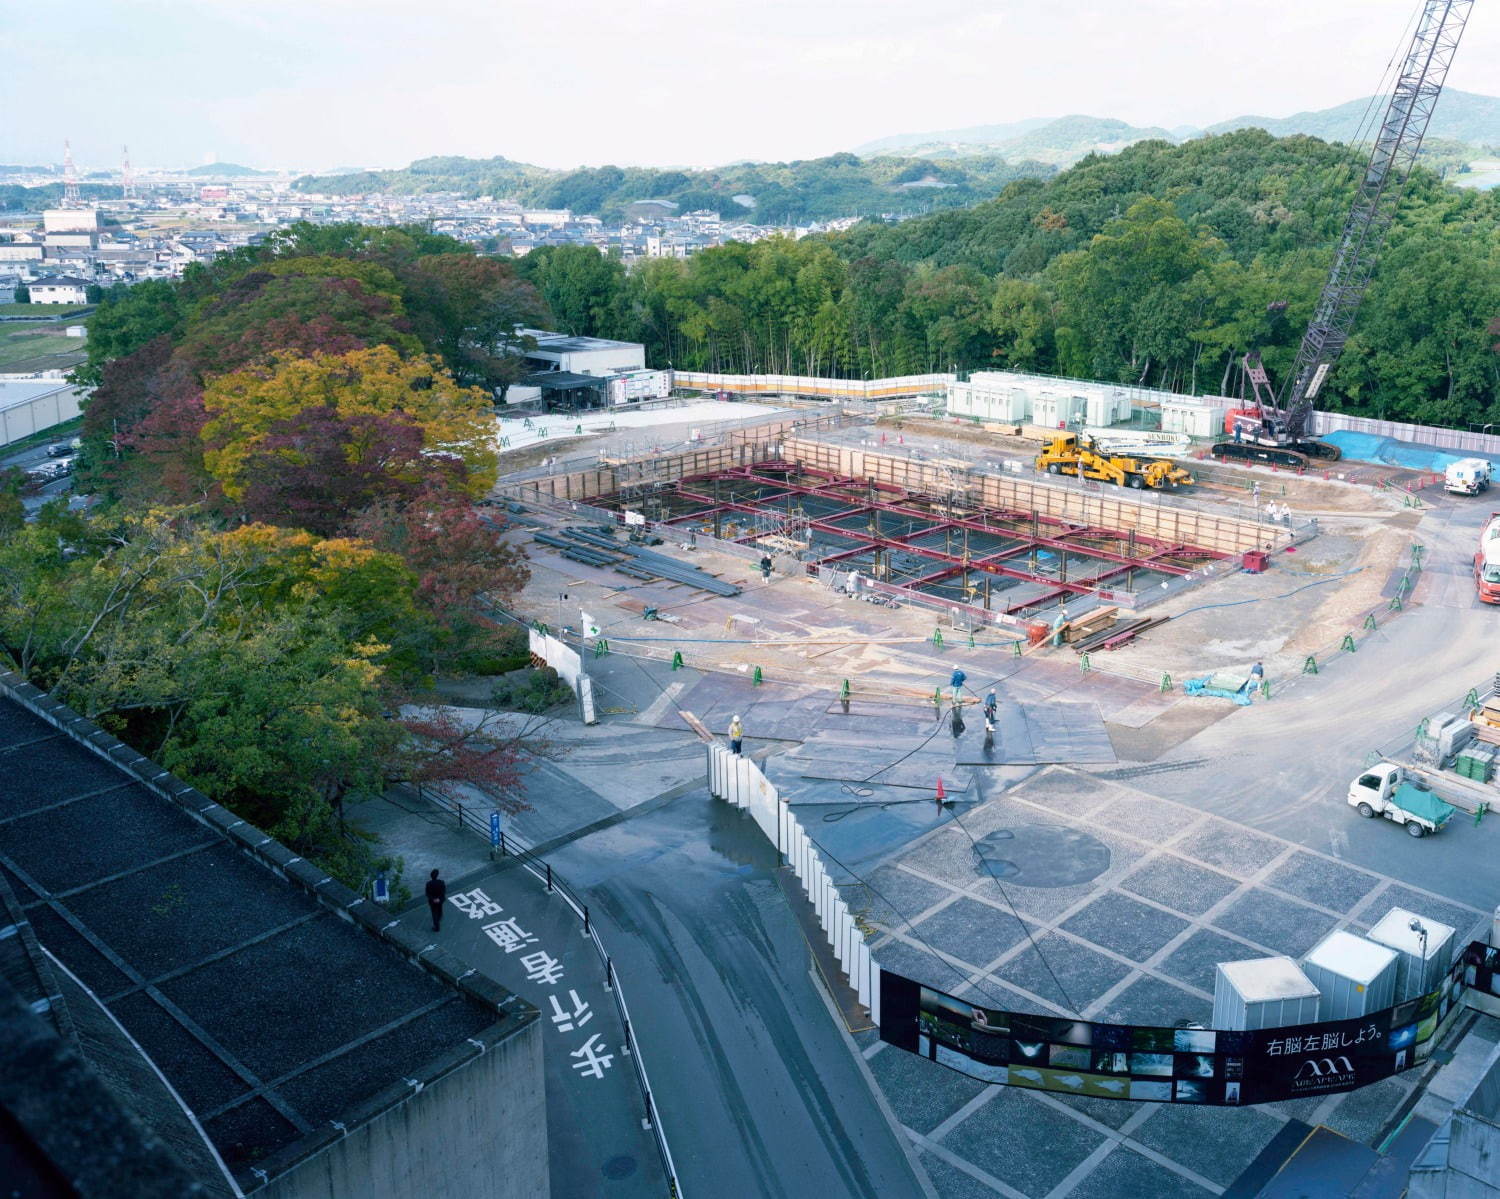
[(1409, 455), (1205, 686)]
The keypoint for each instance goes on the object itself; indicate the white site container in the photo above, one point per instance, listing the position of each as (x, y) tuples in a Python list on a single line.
[(1099, 408), (1263, 993), (1191, 416), (1355, 976), (1056, 410), (1416, 973)]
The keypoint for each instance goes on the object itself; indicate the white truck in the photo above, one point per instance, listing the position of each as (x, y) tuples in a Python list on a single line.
[(1386, 789), (1468, 476)]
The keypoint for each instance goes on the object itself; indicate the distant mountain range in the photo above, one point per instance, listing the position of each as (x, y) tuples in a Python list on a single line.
[(225, 170), (1461, 117)]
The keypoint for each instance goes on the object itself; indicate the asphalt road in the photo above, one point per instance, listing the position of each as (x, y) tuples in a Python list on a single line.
[(1286, 766), (760, 1090)]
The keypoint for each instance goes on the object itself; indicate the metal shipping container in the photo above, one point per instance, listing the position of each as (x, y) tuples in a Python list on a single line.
[(1355, 976), (1416, 974), (1263, 993)]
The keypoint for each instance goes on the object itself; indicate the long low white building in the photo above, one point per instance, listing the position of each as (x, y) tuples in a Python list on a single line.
[(29, 406)]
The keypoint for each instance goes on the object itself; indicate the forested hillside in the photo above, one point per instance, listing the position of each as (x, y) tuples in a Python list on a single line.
[(287, 446), (1158, 265), (768, 193)]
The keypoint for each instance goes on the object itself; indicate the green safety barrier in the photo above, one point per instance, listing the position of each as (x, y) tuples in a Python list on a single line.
[(1370, 622), (1265, 688), (1310, 666), (756, 678), (1395, 605), (937, 638), (1472, 699), (1084, 664), (1480, 811), (676, 659), (1016, 647), (1348, 645), (971, 641), (937, 697), (1417, 550), (1166, 683), (578, 430), (601, 647), (1422, 728), (844, 689)]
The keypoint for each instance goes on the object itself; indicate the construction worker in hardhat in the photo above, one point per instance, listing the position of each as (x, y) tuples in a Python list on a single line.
[(736, 734)]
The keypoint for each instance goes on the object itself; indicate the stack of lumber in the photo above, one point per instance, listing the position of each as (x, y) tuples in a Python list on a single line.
[(1486, 720), (1118, 635), (1085, 626)]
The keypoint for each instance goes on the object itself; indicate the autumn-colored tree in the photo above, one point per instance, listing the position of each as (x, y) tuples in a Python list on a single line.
[(467, 309), (463, 568), (248, 407), (316, 468), (264, 315)]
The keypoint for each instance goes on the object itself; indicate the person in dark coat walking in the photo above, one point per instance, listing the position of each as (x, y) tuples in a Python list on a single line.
[(437, 895)]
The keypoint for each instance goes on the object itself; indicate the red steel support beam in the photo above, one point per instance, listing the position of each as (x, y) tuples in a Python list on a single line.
[(1063, 542)]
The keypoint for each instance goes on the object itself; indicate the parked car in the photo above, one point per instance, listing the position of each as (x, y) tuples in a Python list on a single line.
[(61, 449)]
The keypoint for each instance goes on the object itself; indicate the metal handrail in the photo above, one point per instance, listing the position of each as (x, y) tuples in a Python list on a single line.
[(469, 818)]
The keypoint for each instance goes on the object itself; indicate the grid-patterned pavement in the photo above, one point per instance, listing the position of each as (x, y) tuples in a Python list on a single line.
[(1153, 894)]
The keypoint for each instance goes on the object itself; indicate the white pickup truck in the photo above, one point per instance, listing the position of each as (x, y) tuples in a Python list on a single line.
[(1386, 790)]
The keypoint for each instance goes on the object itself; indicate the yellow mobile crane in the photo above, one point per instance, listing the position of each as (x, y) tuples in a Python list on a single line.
[(1065, 454)]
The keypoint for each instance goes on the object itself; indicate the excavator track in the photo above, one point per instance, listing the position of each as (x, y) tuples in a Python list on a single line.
[(1305, 455)]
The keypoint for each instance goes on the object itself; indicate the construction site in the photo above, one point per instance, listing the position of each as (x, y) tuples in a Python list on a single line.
[(1184, 689), (1079, 725)]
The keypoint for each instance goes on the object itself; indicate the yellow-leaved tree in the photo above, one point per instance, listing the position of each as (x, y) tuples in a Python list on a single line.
[(257, 417)]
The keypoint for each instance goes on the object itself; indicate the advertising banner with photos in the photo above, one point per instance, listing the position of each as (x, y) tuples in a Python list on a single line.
[(1173, 1065)]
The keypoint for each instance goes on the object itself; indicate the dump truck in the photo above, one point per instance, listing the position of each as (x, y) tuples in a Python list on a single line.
[(1386, 789), (1067, 454)]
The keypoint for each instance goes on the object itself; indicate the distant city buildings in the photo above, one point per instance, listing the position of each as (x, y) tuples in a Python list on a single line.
[(172, 222)]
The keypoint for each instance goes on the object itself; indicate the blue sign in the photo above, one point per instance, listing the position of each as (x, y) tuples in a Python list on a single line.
[(494, 829), (382, 889)]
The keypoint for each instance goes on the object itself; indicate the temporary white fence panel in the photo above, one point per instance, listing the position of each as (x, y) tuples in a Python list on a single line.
[(565, 660), (739, 781)]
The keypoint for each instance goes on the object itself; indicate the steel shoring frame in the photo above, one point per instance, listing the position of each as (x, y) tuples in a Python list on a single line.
[(1069, 530), (938, 522), (870, 542), (1072, 539)]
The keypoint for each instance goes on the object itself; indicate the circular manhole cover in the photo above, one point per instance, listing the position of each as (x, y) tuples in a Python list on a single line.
[(619, 1167), (1043, 855)]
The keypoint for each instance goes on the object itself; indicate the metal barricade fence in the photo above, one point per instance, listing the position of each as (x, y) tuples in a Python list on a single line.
[(739, 781)]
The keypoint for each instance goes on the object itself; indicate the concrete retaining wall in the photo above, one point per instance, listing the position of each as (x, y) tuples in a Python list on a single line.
[(478, 1130)]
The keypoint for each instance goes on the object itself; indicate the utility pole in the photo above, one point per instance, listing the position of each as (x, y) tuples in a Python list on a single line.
[(127, 176), (70, 177)]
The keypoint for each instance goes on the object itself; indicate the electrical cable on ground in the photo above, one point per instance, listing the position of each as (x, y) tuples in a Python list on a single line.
[(1026, 928)]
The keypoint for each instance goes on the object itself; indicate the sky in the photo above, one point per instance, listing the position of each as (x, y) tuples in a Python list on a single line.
[(317, 84)]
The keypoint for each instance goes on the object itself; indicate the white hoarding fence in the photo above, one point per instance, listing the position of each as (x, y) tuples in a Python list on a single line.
[(812, 385), (565, 660), (739, 781)]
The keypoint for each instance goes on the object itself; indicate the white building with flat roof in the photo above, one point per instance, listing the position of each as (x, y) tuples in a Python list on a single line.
[(70, 220), (28, 406), (582, 355)]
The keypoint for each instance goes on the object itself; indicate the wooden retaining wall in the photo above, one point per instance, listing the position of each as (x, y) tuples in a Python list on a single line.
[(1163, 520), (1224, 534)]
